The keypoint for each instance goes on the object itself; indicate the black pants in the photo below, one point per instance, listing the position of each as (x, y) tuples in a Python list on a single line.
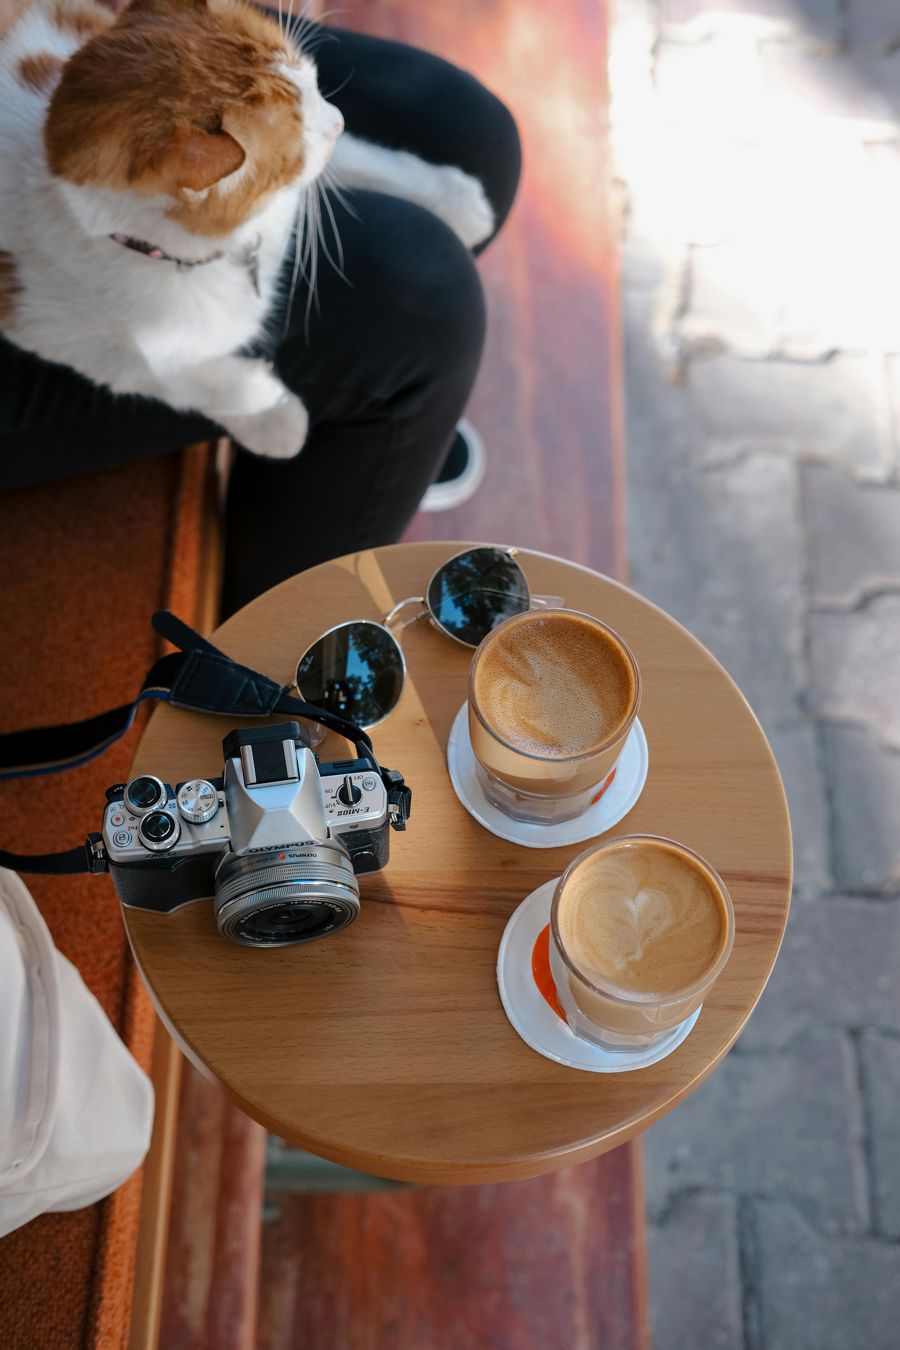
[(384, 362)]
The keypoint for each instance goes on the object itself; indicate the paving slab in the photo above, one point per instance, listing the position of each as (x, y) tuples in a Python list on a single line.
[(863, 776), (837, 969), (816, 1292), (835, 410), (855, 667), (873, 25), (816, 23), (799, 759), (854, 536), (863, 95), (712, 89), (695, 1282), (783, 1123), (735, 301), (880, 1058), (893, 378)]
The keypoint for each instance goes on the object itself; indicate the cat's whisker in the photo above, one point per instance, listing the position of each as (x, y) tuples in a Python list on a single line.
[(338, 264), (309, 33), (343, 85), (302, 246), (330, 179), (311, 45), (312, 296)]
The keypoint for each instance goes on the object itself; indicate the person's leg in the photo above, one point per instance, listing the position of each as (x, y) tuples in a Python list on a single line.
[(385, 365), (385, 373), (408, 99), (55, 424)]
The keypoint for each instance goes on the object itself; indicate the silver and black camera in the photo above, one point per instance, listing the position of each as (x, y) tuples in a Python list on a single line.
[(277, 842)]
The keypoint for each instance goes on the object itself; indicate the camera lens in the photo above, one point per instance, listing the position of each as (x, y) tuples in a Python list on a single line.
[(143, 793), (288, 923), (277, 897)]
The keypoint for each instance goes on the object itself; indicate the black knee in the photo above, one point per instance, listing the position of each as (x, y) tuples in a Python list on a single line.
[(409, 313), (493, 150), (478, 133), (410, 99)]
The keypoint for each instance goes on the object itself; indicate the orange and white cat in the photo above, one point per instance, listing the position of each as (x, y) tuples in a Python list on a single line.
[(153, 167)]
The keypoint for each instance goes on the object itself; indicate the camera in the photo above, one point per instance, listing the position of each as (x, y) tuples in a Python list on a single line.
[(277, 841)]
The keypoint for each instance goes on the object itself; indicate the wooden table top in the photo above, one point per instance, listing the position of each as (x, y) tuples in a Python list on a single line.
[(386, 1047)]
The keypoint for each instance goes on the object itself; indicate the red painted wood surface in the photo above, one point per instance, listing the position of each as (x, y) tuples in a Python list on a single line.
[(212, 1260), (548, 400), (550, 1264)]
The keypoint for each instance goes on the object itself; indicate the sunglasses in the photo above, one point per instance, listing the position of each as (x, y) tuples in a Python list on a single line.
[(357, 669)]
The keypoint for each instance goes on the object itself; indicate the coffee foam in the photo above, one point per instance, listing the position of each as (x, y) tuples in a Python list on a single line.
[(642, 918), (554, 684)]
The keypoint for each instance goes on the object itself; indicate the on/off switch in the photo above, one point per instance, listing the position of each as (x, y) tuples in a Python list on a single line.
[(348, 792)]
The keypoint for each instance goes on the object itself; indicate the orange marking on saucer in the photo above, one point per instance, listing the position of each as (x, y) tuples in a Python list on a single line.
[(540, 969), (595, 799)]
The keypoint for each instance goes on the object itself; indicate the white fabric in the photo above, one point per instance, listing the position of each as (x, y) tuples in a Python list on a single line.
[(76, 1110)]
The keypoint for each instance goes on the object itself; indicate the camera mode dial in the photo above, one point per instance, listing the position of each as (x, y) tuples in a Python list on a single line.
[(159, 831), (198, 801)]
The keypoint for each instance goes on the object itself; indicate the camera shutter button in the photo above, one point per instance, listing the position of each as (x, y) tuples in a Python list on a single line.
[(348, 792)]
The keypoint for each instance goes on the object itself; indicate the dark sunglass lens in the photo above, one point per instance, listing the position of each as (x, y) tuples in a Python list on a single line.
[(471, 594), (356, 671)]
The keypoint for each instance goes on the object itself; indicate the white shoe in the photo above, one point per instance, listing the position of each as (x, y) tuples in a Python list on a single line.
[(464, 469)]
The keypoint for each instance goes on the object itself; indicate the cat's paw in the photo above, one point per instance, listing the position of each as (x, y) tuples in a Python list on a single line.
[(461, 202), (278, 433)]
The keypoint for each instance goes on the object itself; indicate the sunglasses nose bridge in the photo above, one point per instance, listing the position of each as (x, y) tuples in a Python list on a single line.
[(400, 605)]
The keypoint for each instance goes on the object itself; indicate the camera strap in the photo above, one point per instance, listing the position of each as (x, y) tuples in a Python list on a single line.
[(199, 678)]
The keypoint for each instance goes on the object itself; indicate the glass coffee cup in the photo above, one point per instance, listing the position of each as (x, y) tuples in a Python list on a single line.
[(553, 695), (641, 927)]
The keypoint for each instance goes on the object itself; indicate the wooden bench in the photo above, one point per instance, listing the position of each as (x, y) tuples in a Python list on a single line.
[(84, 564)]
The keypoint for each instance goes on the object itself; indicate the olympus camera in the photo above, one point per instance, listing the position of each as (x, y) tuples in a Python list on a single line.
[(277, 842)]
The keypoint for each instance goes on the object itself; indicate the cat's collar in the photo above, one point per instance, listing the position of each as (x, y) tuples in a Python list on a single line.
[(249, 258), (154, 251)]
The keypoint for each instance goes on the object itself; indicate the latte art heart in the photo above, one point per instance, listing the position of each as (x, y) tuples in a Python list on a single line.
[(642, 918)]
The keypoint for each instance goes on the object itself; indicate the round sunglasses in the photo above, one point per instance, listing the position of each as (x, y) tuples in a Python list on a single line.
[(357, 669)]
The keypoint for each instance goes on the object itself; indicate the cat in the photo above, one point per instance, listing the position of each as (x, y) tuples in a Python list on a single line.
[(153, 165)]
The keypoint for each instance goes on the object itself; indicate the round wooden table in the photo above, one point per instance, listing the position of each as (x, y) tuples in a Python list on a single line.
[(386, 1047)]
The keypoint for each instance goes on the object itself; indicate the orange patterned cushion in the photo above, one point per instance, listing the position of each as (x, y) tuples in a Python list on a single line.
[(83, 566)]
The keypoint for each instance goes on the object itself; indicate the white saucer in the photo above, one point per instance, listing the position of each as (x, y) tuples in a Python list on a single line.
[(618, 799), (531, 1014)]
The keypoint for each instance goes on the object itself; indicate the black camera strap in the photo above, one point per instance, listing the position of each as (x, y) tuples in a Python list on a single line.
[(199, 678)]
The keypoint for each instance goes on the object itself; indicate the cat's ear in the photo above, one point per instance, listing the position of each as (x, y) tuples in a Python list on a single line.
[(196, 159)]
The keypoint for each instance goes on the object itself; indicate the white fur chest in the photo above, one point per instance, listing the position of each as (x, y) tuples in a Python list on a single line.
[(130, 321)]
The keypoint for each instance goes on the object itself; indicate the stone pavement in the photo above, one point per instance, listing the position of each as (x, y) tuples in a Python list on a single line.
[(758, 144)]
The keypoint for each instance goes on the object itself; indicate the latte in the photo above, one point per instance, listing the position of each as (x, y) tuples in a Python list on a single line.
[(641, 928), (554, 684), (552, 697)]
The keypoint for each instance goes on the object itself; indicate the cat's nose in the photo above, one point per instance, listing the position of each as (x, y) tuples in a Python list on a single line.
[(337, 121)]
